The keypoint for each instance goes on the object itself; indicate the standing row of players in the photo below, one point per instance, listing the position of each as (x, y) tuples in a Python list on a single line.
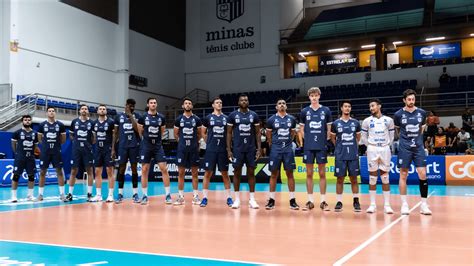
[(234, 138)]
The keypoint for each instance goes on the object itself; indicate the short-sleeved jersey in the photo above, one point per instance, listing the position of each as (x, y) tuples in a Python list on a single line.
[(315, 127), (104, 131), (281, 128), (152, 129), (244, 134), (51, 142), (25, 143), (346, 142), (378, 131), (128, 137), (188, 132), (82, 131), (410, 125), (216, 132)]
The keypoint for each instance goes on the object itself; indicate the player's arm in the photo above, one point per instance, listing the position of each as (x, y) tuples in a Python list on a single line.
[(332, 133), (258, 135), (40, 137), (230, 128), (176, 133), (140, 129), (358, 133), (364, 133), (391, 132), (301, 135), (71, 134), (94, 137), (115, 135), (268, 134), (14, 145), (328, 130)]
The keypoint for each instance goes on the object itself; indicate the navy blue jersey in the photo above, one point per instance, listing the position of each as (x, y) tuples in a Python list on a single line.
[(216, 132), (315, 127), (25, 143), (244, 134), (346, 142), (51, 142), (281, 128), (104, 132), (410, 125), (188, 132), (128, 137), (151, 129), (82, 132)]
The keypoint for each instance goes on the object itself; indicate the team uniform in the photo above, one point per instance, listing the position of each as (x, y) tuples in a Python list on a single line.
[(151, 147), (244, 147), (188, 144), (82, 143), (24, 155), (378, 134), (346, 150), (315, 134), (51, 144), (129, 144), (103, 149), (281, 149), (216, 153)]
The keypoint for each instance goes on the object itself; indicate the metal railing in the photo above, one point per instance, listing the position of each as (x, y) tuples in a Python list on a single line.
[(5, 94), (11, 114), (196, 95)]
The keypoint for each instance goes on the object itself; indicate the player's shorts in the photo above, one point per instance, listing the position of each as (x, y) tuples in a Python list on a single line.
[(155, 153), (247, 158), (379, 158), (128, 154), (309, 156), (55, 159), (21, 164), (287, 158), (103, 157), (213, 158), (82, 156), (187, 159), (346, 168), (417, 155)]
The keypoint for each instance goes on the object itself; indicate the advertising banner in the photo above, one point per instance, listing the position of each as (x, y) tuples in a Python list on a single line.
[(300, 172), (460, 170), (335, 61), (436, 51), (6, 173)]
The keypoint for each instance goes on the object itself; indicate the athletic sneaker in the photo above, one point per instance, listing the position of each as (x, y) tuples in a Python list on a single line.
[(387, 209), (203, 202), (97, 198), (69, 197), (372, 208), (31, 198), (119, 199), (230, 202), (424, 209), (179, 201), (236, 204), (338, 207), (110, 198), (89, 197), (253, 204), (62, 198), (168, 199), (14, 200), (144, 200), (196, 200), (270, 204), (136, 198), (324, 206), (40, 197), (405, 210), (294, 205), (308, 206), (356, 205)]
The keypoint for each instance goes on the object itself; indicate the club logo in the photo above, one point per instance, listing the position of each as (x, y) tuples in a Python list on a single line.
[(229, 10)]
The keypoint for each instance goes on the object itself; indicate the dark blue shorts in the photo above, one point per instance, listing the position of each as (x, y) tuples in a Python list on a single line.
[(417, 155), (155, 153), (247, 158), (211, 158), (55, 159), (22, 164), (287, 158), (346, 168), (128, 154), (187, 159), (103, 157), (310, 155), (82, 156)]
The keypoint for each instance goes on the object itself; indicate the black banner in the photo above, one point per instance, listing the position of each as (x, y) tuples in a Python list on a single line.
[(336, 61)]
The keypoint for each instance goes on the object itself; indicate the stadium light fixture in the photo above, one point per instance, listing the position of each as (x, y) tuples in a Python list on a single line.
[(397, 42), (367, 46), (304, 54), (336, 50), (435, 39), (472, 34)]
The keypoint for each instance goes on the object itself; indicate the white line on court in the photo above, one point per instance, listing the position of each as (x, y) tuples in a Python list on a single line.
[(93, 263), (470, 195), (374, 237)]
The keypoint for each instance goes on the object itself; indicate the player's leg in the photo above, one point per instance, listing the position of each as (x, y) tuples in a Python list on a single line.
[(308, 159), (251, 164), (321, 159)]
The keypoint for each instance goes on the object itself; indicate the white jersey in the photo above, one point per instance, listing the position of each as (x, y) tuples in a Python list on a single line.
[(378, 131)]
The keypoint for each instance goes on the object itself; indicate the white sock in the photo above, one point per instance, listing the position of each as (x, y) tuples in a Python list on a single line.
[(195, 193), (204, 193), (339, 197), (237, 195), (167, 190), (61, 190), (292, 194), (372, 196), (89, 189), (30, 192), (121, 191), (98, 191), (386, 197), (272, 195), (111, 191), (323, 197), (355, 195), (135, 190), (71, 189), (227, 193), (252, 196), (41, 190), (144, 191), (14, 194), (424, 200), (310, 197), (181, 193), (404, 199)]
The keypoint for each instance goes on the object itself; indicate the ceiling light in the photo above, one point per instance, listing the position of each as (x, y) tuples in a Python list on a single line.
[(472, 34), (336, 50), (303, 54), (368, 46), (435, 39), (397, 42)]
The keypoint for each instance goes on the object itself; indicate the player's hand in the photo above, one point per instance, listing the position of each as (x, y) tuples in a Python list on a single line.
[(257, 154), (112, 154), (230, 156)]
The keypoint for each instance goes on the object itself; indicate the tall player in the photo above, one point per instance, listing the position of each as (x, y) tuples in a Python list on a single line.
[(214, 125), (126, 134), (151, 127), (24, 142), (103, 130), (51, 134), (280, 134), (82, 140), (345, 135), (187, 130), (377, 134), (410, 121), (243, 147), (315, 122)]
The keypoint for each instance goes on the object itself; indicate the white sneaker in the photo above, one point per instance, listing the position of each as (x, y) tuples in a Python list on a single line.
[(405, 210), (40, 197), (372, 208), (424, 209), (14, 200), (97, 198), (110, 198), (387, 209), (30, 198), (196, 200), (179, 201), (253, 204), (236, 204)]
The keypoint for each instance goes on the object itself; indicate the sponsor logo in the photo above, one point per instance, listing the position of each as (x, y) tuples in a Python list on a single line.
[(82, 133), (218, 130), (154, 130), (347, 137), (28, 143), (413, 128), (427, 50), (284, 132), (188, 131), (101, 134), (127, 126), (315, 125), (244, 128), (51, 135), (459, 168)]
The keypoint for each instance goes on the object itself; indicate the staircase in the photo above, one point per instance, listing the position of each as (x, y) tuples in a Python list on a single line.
[(12, 111)]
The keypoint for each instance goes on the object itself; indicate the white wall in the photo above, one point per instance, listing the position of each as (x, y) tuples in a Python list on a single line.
[(4, 41)]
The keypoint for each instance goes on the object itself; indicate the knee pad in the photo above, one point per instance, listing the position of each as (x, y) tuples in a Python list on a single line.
[(16, 178), (373, 180), (31, 178), (385, 179)]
